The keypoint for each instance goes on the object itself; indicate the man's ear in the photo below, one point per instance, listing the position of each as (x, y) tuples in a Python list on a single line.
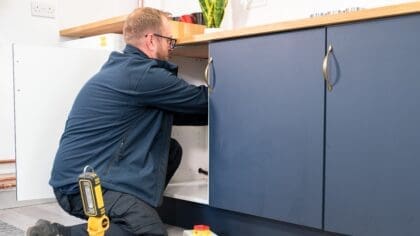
[(150, 43)]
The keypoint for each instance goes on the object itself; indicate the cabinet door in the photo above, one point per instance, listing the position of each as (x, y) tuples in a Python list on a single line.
[(373, 129), (46, 81), (266, 126), (7, 145)]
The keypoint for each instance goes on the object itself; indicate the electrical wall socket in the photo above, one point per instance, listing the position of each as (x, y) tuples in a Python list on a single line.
[(42, 9)]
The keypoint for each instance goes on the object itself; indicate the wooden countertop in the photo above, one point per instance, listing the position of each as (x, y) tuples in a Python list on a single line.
[(365, 14), (114, 25)]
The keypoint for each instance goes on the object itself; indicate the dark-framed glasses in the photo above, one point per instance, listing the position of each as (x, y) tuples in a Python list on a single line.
[(171, 41)]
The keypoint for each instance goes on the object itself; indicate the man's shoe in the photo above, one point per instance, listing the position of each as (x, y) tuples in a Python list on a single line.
[(43, 228)]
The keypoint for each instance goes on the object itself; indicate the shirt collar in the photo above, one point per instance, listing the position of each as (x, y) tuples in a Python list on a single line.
[(130, 49)]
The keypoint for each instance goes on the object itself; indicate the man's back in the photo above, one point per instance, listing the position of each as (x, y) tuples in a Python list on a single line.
[(120, 124)]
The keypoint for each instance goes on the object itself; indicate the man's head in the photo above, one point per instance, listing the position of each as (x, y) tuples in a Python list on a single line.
[(149, 30)]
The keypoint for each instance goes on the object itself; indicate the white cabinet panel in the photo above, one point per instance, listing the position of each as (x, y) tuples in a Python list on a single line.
[(47, 79), (7, 148)]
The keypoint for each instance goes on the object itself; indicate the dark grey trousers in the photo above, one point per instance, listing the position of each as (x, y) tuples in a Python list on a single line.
[(128, 215)]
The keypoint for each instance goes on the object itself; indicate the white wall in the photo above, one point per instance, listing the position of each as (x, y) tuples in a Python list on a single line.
[(238, 16), (78, 12), (276, 10), (177, 8), (18, 25)]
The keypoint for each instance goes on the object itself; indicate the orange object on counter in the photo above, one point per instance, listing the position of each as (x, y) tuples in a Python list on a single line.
[(201, 230)]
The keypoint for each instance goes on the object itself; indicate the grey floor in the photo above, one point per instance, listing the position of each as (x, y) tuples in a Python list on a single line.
[(15, 221)]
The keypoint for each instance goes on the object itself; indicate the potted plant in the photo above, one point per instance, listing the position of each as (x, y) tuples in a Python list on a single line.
[(213, 12)]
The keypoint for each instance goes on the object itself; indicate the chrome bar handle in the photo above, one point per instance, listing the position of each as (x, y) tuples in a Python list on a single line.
[(325, 69), (206, 72)]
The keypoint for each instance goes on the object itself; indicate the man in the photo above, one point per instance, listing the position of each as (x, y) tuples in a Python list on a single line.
[(120, 125)]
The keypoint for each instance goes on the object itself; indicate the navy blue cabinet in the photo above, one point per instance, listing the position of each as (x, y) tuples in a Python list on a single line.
[(266, 126), (283, 147), (372, 128)]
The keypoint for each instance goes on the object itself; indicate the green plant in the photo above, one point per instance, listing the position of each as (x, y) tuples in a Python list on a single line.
[(213, 12)]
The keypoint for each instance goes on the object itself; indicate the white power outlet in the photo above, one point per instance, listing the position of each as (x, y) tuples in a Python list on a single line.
[(42, 9)]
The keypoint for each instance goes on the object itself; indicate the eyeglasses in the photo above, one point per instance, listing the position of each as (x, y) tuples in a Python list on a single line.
[(171, 41)]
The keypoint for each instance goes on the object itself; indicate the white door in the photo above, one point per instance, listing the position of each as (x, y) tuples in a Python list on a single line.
[(7, 148), (46, 81)]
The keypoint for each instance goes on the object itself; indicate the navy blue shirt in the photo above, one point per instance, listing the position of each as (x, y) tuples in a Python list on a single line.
[(120, 124)]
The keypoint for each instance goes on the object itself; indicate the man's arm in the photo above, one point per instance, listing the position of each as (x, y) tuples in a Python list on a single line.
[(166, 91)]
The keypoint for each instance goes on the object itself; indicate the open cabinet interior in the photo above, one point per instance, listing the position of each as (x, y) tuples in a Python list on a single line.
[(190, 181)]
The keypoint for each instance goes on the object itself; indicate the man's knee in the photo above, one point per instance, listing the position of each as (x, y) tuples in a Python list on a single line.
[(133, 215)]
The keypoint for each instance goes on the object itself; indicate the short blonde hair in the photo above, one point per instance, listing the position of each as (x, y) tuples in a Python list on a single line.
[(142, 20)]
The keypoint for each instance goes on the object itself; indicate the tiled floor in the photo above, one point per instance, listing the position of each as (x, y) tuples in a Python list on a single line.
[(23, 217), (9, 230)]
